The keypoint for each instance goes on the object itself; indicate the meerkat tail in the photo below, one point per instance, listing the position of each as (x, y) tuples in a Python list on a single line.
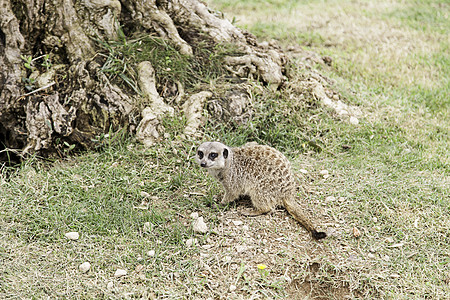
[(298, 215)]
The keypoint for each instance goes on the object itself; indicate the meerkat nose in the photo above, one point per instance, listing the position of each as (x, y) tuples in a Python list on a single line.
[(203, 164)]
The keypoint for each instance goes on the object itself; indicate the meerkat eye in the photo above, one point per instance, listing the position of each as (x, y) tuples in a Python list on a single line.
[(213, 155), (200, 154)]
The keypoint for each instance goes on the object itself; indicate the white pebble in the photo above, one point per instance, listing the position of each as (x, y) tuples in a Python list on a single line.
[(84, 267), (194, 215), (245, 227), (72, 236), (232, 288), (200, 226), (237, 223), (330, 199), (303, 171), (120, 273), (353, 120), (191, 242), (145, 194), (151, 253), (110, 285), (324, 172)]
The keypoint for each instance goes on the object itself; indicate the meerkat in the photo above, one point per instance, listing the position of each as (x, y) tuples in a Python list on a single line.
[(258, 171)]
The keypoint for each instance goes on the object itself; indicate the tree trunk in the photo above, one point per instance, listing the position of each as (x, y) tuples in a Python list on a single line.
[(52, 92)]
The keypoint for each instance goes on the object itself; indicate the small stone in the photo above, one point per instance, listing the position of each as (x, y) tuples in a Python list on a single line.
[(395, 276), (303, 171), (151, 253), (374, 219), (237, 223), (194, 215), (110, 285), (120, 273), (200, 226), (72, 236), (245, 227), (324, 172), (354, 120), (370, 255), (330, 199), (326, 176), (232, 288), (389, 240), (145, 194), (84, 267), (341, 111), (191, 242)]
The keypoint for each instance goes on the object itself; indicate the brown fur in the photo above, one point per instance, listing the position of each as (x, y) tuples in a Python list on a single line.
[(261, 172)]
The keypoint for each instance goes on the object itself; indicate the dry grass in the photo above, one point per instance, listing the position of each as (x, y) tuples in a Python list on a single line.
[(366, 36)]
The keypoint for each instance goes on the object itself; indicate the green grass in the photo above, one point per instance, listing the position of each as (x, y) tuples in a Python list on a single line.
[(119, 58), (390, 176)]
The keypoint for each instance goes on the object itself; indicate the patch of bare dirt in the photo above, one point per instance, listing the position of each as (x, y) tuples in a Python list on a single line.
[(312, 288), (295, 265)]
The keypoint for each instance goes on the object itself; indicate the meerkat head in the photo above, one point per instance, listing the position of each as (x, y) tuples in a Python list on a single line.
[(213, 155)]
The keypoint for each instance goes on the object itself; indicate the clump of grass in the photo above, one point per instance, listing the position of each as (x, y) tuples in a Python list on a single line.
[(119, 58)]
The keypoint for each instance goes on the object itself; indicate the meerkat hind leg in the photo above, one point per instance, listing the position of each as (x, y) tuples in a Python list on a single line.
[(260, 206)]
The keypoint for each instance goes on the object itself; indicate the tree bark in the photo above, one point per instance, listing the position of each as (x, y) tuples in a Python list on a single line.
[(52, 92)]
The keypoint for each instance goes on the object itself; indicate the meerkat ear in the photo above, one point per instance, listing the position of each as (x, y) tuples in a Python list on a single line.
[(225, 153)]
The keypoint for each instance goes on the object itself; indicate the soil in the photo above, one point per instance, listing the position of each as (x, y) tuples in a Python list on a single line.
[(295, 263)]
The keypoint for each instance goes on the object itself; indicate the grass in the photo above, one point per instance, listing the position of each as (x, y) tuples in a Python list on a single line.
[(391, 181), (119, 58)]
